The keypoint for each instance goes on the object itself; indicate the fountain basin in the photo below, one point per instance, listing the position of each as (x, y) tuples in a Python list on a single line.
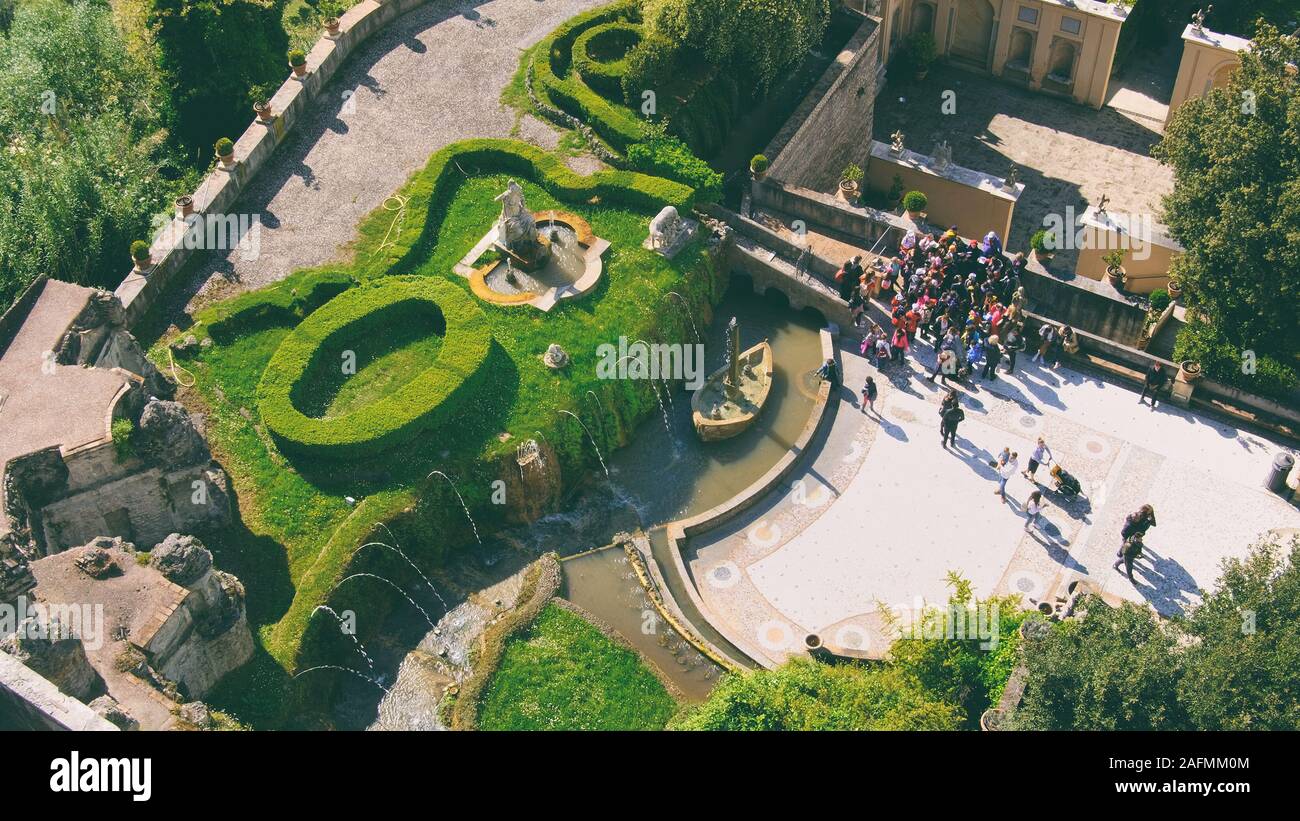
[(570, 267), (718, 413)]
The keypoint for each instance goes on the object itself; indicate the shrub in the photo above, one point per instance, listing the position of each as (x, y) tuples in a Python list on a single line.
[(1038, 242), (285, 303), (1114, 259), (1159, 300), (297, 57), (649, 66), (759, 164), (914, 201), (921, 50), (122, 430), (669, 157), (1223, 360), (139, 250), (852, 173), (224, 147), (428, 400), (591, 56)]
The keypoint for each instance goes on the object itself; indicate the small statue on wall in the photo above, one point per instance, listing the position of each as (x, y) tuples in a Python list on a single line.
[(1013, 178), (1101, 206), (896, 143), (942, 156), (1198, 19)]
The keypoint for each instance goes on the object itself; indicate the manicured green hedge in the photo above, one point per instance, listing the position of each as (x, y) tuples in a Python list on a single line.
[(670, 157), (427, 401), (284, 303), (435, 186), (1225, 361), (605, 76), (552, 73)]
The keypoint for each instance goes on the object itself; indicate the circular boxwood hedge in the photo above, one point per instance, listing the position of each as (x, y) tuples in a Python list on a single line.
[(424, 402), (592, 56)]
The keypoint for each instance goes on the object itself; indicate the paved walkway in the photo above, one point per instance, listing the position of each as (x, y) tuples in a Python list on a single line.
[(883, 512), (430, 78)]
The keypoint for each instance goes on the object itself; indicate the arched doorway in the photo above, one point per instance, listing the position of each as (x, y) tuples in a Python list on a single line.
[(923, 18), (972, 40)]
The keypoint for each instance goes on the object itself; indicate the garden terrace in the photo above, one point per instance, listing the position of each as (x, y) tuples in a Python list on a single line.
[(301, 529)]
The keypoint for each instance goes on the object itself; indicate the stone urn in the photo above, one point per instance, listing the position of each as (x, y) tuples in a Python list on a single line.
[(813, 644), (1175, 289), (556, 358), (332, 26), (262, 109), (184, 205), (1190, 372)]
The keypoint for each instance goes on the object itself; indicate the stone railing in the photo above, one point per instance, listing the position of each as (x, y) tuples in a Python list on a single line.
[(220, 189)]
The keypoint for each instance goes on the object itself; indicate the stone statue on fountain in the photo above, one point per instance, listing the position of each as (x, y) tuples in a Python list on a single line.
[(517, 229)]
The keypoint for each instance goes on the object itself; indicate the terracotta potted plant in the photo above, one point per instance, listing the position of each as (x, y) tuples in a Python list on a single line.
[(184, 205), (1190, 371), (850, 181), (1042, 248), (225, 152), (141, 255), (758, 166), (298, 62), (914, 203), (1115, 272), (921, 51), (262, 109), (1175, 289)]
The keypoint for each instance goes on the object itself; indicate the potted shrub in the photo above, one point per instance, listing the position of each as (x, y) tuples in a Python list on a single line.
[(758, 166), (1190, 371), (850, 179), (914, 203), (185, 205), (298, 62), (225, 149), (332, 11), (1115, 268), (1043, 251), (1175, 289), (921, 53), (262, 109), (141, 255)]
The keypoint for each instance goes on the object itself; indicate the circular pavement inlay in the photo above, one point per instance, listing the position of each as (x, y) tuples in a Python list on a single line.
[(852, 637), (1028, 584), (764, 534), (724, 575), (775, 635), (1094, 447)]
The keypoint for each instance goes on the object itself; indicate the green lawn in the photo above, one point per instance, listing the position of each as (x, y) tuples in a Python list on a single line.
[(564, 674)]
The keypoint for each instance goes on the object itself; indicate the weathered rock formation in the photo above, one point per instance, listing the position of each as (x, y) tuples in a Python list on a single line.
[(61, 658)]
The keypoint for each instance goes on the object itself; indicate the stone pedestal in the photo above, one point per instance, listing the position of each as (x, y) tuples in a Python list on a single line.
[(1181, 394)]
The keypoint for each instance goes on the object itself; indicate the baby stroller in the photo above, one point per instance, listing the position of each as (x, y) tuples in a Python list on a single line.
[(1066, 484)]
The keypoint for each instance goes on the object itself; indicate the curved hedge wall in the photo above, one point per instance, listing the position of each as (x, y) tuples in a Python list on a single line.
[(552, 71), (605, 76), (422, 403), (284, 303)]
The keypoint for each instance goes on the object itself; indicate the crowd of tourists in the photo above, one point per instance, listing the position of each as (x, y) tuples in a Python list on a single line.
[(963, 297)]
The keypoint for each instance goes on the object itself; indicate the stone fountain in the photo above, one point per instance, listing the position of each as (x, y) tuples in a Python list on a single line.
[(733, 396), (533, 258)]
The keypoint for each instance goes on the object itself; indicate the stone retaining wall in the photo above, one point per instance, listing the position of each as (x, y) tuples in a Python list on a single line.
[(220, 189), (28, 701)]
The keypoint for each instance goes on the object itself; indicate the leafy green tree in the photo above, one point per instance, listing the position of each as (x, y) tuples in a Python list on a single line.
[(82, 145), (1235, 206), (217, 56), (951, 653), (759, 40), (1114, 669), (1243, 662), (807, 695)]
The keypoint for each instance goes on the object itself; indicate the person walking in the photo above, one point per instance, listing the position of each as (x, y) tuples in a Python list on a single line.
[(951, 415), (1006, 469), (1154, 383), (1015, 344), (1041, 455), (869, 394), (1033, 509), (1139, 522), (1129, 552), (945, 365)]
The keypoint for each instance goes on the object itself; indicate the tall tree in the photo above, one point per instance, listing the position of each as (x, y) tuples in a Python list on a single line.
[(1235, 206)]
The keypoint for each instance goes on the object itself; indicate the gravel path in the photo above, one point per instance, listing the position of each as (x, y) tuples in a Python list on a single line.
[(429, 79)]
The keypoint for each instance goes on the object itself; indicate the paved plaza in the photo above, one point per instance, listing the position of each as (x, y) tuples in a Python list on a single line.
[(882, 512), (1069, 155)]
